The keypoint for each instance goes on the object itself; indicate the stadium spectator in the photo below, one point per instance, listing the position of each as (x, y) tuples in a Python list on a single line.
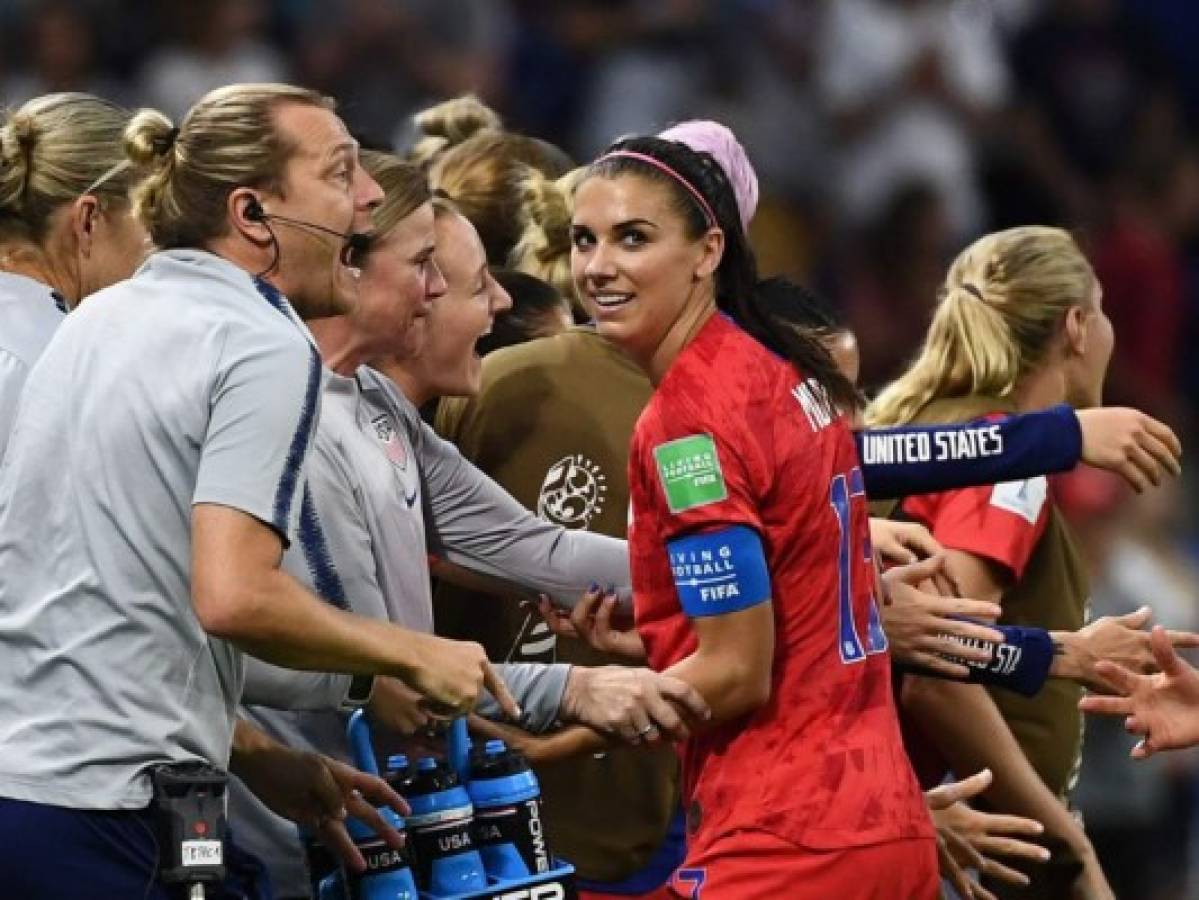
[(910, 84), (61, 41), (214, 43)]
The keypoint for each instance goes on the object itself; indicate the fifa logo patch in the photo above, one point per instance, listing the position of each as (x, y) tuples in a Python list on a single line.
[(690, 471)]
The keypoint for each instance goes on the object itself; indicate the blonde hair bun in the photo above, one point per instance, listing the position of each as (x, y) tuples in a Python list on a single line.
[(148, 137), (18, 137), (53, 149), (451, 123), (543, 248)]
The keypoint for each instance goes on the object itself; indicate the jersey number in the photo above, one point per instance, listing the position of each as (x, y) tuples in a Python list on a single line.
[(843, 491), (693, 878)]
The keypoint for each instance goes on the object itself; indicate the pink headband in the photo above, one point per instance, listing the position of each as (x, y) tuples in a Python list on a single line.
[(662, 167)]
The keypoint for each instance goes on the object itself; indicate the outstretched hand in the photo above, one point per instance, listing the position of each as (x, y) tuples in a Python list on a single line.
[(319, 793), (968, 839), (901, 543), (1163, 708), (931, 631), (1126, 441), (633, 703), (591, 621), (451, 674), (1118, 639)]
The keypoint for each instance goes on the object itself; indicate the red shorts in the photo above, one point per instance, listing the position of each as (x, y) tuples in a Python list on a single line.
[(747, 865)]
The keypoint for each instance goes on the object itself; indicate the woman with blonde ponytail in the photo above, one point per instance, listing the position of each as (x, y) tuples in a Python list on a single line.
[(65, 227), (1018, 327), (1004, 300)]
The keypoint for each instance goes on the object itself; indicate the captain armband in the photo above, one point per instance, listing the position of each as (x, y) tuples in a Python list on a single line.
[(1020, 664), (719, 572)]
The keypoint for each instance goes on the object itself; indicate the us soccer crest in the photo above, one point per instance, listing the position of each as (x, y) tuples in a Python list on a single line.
[(389, 437)]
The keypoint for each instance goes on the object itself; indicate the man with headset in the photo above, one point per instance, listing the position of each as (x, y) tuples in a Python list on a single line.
[(159, 449)]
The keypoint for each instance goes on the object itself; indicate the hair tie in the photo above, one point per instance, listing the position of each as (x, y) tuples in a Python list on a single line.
[(969, 288), (709, 217), (163, 145)]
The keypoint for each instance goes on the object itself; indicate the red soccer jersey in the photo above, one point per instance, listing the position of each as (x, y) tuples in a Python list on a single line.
[(733, 436), (1001, 522)]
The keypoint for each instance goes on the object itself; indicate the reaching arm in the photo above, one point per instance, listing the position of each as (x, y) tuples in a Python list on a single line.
[(566, 743), (921, 459), (971, 734), (350, 584), (240, 594), (477, 525), (314, 791), (732, 665), (1162, 708), (910, 460), (538, 689), (279, 688)]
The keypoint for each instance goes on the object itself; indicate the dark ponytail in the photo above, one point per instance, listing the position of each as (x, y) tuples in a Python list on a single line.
[(739, 292)]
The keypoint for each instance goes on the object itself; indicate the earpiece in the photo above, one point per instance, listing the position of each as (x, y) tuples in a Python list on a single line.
[(254, 211)]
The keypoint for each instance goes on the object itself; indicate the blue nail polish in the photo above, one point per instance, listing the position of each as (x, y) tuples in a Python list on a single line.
[(594, 587)]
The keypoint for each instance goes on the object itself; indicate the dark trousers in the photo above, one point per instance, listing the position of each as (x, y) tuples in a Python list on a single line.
[(55, 853)]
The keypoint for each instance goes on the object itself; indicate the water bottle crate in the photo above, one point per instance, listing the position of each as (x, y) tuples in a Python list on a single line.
[(473, 827), (556, 884)]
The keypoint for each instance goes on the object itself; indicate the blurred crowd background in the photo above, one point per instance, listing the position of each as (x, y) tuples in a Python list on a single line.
[(886, 133)]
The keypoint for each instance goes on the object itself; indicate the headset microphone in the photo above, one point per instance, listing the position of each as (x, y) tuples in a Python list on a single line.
[(356, 242)]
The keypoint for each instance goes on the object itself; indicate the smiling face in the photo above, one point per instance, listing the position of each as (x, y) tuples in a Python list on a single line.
[(323, 184), (400, 282), (632, 262), (448, 364)]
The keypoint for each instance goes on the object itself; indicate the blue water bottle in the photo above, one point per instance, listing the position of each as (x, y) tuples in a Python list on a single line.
[(439, 831), (388, 873), (399, 773), (508, 828)]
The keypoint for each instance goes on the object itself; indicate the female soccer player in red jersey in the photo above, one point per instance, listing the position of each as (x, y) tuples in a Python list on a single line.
[(1019, 326), (749, 549)]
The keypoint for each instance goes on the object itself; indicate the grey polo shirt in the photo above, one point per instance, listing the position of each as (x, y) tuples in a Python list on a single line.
[(185, 384), (380, 481), (478, 525), (29, 316)]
